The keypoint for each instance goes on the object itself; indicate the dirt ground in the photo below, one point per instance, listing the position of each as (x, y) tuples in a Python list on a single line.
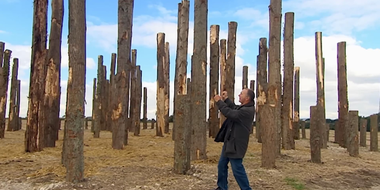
[(146, 163)]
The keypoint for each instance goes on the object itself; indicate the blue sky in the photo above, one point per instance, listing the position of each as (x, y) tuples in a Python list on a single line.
[(357, 22)]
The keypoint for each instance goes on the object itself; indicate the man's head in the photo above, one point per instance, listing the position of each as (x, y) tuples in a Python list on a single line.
[(246, 96)]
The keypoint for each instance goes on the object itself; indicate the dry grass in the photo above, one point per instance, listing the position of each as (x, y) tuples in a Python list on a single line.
[(147, 161)]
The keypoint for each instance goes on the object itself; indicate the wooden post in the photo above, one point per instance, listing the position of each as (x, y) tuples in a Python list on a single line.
[(145, 108), (320, 75), (76, 92), (2, 46), (223, 72), (287, 108), (93, 118), (262, 85), (315, 134), (274, 66), (133, 96), (245, 78), (13, 119), (18, 103), (327, 125), (4, 80), (181, 53), (297, 104), (353, 136), (363, 132), (230, 62), (198, 81), (303, 129), (138, 100), (269, 136), (152, 124), (213, 123), (160, 85), (52, 95), (342, 95), (103, 99), (166, 68), (252, 87), (120, 107), (98, 99), (112, 90), (107, 107), (373, 145)]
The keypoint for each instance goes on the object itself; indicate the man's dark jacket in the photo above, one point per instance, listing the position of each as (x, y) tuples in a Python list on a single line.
[(236, 128)]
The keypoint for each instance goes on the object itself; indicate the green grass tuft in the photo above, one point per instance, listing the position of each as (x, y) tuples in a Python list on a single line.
[(294, 183)]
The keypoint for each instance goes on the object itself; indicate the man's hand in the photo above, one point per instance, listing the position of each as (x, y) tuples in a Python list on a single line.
[(224, 95), (217, 98)]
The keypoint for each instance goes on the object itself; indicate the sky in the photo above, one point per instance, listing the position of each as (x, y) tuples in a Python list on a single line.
[(356, 22)]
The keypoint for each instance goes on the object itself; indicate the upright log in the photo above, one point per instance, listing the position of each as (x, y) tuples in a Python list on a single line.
[(76, 87), (287, 108), (363, 132), (315, 134), (198, 81), (223, 72), (93, 118), (342, 95), (4, 80), (181, 53), (107, 108), (213, 123), (52, 96), (320, 75), (353, 136), (152, 124), (98, 99), (274, 66), (2, 46), (252, 87), (166, 87), (303, 129), (13, 117), (296, 103), (133, 96), (373, 144), (145, 108), (112, 90), (160, 97), (138, 100), (104, 99), (230, 61), (121, 104), (262, 85), (269, 136), (188, 85), (245, 78), (18, 103)]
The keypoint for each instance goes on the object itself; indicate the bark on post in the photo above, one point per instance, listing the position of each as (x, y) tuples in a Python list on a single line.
[(252, 87), (303, 129), (52, 95), (98, 99), (111, 90), (373, 145), (18, 98), (93, 118), (188, 85), (160, 97), (245, 78), (327, 127), (363, 132), (76, 92), (103, 99), (269, 136), (342, 95), (320, 75), (166, 67), (120, 107), (133, 96), (297, 104), (2, 46), (138, 101), (315, 134), (274, 66), (287, 108), (13, 117), (181, 53), (198, 81), (152, 124), (223, 72), (4, 80), (230, 61), (213, 123), (262, 85), (145, 108), (353, 136)]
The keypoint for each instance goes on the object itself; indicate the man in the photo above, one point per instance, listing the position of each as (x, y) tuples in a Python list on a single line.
[(235, 135)]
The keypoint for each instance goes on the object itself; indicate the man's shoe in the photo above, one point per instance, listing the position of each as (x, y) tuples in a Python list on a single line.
[(218, 188)]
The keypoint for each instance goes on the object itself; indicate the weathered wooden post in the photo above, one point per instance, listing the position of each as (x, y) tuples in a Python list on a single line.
[(315, 134), (342, 95), (198, 81), (262, 84), (104, 99), (18, 98), (138, 100), (269, 136), (2, 46), (145, 108), (352, 136), (160, 85), (274, 68), (230, 61), (287, 108), (13, 119), (76, 92), (252, 87), (98, 99), (245, 78), (112, 90), (363, 132), (4, 80), (152, 124), (166, 68), (213, 123), (52, 95), (296, 97), (133, 96), (121, 103), (327, 132), (373, 144), (303, 129), (223, 72), (93, 106), (320, 75)]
